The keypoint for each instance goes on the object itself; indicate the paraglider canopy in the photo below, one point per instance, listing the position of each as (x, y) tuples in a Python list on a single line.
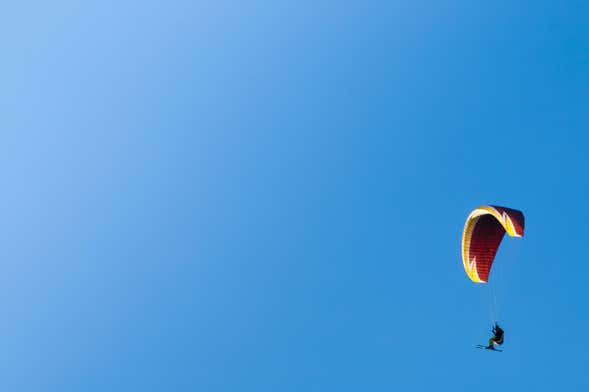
[(483, 231)]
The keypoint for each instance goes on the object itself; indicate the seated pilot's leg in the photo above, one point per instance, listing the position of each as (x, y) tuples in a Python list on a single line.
[(491, 341)]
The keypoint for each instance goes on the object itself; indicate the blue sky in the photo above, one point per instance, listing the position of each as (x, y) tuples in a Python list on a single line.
[(269, 196)]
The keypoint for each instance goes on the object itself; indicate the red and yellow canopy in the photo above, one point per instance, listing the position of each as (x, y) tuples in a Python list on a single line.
[(483, 231)]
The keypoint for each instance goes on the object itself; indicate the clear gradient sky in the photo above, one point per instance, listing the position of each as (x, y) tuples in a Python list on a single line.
[(269, 195)]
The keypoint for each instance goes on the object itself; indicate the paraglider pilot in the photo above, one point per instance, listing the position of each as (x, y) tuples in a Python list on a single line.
[(497, 336)]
